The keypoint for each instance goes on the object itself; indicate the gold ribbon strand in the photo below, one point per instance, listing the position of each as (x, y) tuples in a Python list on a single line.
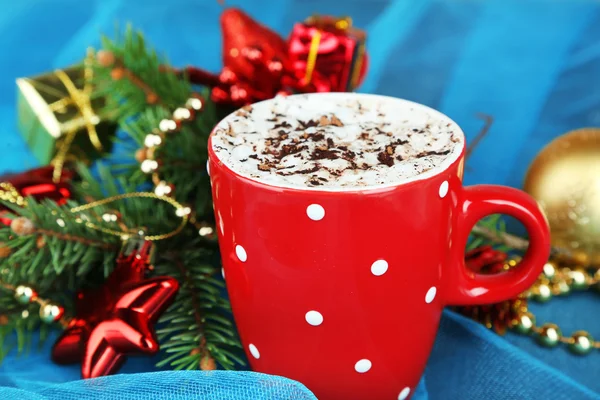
[(311, 61), (10, 194), (81, 99), (180, 210)]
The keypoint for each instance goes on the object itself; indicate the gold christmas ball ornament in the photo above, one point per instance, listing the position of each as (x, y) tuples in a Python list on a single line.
[(565, 180)]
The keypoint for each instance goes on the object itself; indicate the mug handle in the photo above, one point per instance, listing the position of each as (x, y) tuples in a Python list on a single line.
[(467, 287)]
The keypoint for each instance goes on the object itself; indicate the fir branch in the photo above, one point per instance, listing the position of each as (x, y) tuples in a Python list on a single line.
[(182, 158), (514, 242), (503, 238), (60, 252), (72, 256), (128, 97), (199, 321), (138, 118), (488, 121), (151, 97), (152, 216), (198, 324), (493, 223), (176, 259), (71, 238), (19, 325)]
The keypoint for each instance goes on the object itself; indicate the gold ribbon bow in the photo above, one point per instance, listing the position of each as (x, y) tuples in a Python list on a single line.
[(81, 100)]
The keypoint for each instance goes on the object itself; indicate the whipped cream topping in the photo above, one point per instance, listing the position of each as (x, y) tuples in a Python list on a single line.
[(336, 141)]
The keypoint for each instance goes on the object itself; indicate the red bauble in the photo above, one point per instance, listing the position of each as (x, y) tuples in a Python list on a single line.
[(38, 183), (117, 319)]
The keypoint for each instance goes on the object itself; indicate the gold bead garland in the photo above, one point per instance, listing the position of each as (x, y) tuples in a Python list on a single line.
[(555, 281), (49, 311), (146, 156), (149, 164)]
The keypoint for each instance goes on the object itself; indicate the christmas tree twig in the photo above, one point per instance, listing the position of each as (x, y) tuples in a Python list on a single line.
[(71, 238), (514, 242), (51, 247), (135, 76), (489, 120), (169, 152), (168, 121), (196, 330)]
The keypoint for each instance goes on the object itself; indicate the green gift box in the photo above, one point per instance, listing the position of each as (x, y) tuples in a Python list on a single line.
[(61, 119)]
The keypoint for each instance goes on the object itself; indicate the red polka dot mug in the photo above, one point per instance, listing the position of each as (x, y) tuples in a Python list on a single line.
[(343, 289)]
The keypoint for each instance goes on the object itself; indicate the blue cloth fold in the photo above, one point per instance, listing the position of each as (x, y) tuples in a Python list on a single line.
[(533, 65), (166, 385)]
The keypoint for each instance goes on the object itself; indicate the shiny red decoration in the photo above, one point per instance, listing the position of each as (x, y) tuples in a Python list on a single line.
[(266, 83), (485, 259), (337, 55), (242, 34), (117, 319), (38, 183), (310, 301), (258, 64), (254, 60)]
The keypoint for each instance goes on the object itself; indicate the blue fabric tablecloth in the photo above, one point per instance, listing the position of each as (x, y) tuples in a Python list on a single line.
[(533, 65)]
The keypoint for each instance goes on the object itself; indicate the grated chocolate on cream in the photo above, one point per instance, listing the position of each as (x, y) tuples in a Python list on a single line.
[(336, 141)]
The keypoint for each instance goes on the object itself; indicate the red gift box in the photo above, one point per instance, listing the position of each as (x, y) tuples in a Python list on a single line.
[(327, 54)]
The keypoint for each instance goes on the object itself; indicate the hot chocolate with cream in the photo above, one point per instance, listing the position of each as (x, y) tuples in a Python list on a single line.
[(336, 141)]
